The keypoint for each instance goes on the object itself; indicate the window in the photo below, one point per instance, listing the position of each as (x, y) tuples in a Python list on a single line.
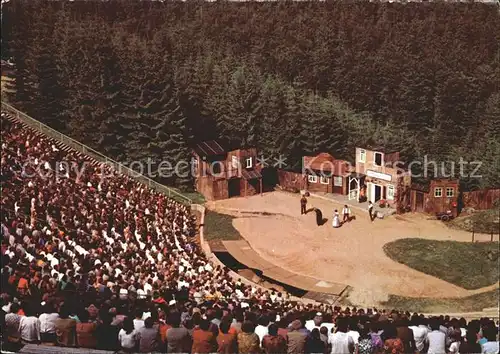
[(216, 167), (337, 181), (378, 159), (248, 162), (438, 192), (234, 162), (362, 155), (312, 178), (194, 166), (450, 192), (390, 192), (324, 180)]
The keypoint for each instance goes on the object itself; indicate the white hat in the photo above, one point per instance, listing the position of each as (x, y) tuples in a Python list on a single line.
[(171, 303)]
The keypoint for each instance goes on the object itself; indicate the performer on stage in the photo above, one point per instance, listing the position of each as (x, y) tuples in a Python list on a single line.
[(319, 217), (336, 219)]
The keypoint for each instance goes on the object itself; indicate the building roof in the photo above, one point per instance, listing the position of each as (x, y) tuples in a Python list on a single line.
[(250, 174), (325, 162), (209, 148)]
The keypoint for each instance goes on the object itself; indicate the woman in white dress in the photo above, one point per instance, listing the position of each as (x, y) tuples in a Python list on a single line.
[(336, 219)]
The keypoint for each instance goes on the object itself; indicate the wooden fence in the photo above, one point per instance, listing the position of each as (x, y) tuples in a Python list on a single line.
[(480, 199)]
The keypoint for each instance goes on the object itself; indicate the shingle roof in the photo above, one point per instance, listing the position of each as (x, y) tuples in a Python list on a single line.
[(250, 174), (209, 148)]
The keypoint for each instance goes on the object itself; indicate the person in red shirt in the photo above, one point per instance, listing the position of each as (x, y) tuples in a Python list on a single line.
[(204, 340)]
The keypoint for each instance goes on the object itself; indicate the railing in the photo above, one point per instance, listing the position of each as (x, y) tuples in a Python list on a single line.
[(48, 131)]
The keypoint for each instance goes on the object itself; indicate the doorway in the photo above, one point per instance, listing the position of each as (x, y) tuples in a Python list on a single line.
[(377, 193), (419, 202), (233, 187)]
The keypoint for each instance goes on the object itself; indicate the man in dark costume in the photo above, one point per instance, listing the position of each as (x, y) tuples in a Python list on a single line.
[(319, 217), (303, 205)]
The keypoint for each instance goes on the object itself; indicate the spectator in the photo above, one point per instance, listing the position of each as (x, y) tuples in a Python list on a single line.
[(392, 344), (48, 324), (470, 345), (340, 341), (138, 321), (65, 328), (261, 330), (296, 338), (86, 331), (420, 331), (490, 332), (12, 323), (204, 340), (314, 344), (405, 334), (435, 341), (273, 342), (128, 337), (365, 345), (149, 337), (29, 326), (226, 341), (178, 340), (107, 334), (248, 341)]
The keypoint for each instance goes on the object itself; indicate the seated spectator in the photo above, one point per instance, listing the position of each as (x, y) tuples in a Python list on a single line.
[(107, 335), (12, 323), (272, 342), (177, 337), (248, 341), (296, 337), (86, 331), (435, 341), (470, 344), (65, 328), (128, 336), (314, 344), (261, 330), (365, 344), (392, 344), (149, 337), (340, 341), (48, 324), (204, 340), (29, 326), (490, 332), (226, 341)]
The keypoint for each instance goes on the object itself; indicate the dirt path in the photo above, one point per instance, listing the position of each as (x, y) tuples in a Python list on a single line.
[(351, 255)]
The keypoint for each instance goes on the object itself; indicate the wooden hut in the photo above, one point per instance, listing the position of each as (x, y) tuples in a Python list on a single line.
[(435, 196), (221, 174)]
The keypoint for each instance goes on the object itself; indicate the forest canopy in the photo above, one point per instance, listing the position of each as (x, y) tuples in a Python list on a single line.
[(139, 80)]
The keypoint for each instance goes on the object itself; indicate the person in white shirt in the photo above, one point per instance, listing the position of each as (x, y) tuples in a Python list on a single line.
[(340, 341), (346, 214), (29, 327), (315, 322), (420, 332), (370, 210), (491, 346), (138, 321), (48, 324), (435, 340), (262, 328)]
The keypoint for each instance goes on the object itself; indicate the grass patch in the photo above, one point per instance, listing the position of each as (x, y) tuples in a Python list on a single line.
[(468, 265), (471, 303), (220, 227), (483, 221)]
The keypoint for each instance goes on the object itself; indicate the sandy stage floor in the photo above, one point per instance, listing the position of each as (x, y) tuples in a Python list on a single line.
[(351, 255)]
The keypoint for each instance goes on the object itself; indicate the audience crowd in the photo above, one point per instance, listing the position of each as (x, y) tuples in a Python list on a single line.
[(93, 259)]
